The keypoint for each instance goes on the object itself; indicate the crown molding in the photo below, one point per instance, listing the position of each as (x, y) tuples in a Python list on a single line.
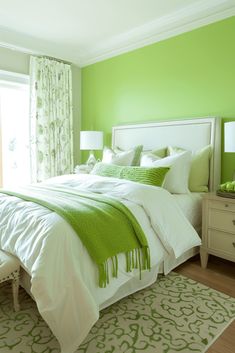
[(198, 15), (36, 46)]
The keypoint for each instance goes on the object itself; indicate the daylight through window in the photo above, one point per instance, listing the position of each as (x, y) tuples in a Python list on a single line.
[(14, 130)]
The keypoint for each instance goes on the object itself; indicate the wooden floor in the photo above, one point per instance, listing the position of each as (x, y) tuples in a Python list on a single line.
[(220, 275)]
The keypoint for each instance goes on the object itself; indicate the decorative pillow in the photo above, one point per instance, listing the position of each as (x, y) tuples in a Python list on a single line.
[(123, 158), (161, 152), (149, 176), (200, 167), (148, 158), (176, 180)]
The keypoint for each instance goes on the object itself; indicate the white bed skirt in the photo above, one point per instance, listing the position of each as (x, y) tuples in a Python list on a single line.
[(149, 278)]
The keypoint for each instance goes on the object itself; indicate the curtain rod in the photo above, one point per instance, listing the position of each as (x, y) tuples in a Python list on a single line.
[(53, 58)]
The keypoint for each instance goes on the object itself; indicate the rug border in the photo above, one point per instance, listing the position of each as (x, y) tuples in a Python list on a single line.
[(217, 336)]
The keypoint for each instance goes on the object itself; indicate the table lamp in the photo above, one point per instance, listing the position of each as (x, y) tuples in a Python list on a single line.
[(228, 189), (91, 140), (229, 136)]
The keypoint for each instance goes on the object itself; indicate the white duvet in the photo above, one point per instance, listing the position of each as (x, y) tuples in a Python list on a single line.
[(63, 277)]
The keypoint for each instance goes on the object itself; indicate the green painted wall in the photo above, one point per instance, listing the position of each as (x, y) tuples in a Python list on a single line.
[(14, 61), (190, 75)]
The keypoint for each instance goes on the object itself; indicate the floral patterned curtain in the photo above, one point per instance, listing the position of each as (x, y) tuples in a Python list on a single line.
[(51, 126)]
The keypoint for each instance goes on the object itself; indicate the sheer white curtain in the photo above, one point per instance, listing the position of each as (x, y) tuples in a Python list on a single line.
[(51, 118), (14, 129)]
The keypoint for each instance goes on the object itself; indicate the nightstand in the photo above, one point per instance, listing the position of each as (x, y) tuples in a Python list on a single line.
[(218, 228)]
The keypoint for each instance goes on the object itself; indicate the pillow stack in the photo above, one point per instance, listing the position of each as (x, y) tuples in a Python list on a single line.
[(176, 180), (199, 169), (177, 170)]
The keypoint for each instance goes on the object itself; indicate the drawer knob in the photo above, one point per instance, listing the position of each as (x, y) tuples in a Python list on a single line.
[(233, 244), (226, 205)]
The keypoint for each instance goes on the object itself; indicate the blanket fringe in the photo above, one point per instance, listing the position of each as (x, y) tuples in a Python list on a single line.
[(135, 259)]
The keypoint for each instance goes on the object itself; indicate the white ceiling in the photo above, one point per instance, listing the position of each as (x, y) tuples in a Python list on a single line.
[(87, 31)]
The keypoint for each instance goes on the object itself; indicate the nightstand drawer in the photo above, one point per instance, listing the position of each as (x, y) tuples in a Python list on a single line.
[(222, 205), (224, 221), (221, 242)]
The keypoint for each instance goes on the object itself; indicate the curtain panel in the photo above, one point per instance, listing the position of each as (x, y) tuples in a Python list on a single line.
[(51, 118)]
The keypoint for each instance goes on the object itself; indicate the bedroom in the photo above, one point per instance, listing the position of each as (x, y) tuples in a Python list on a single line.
[(186, 74)]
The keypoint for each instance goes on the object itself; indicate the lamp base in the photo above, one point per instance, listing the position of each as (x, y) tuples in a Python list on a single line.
[(91, 160)]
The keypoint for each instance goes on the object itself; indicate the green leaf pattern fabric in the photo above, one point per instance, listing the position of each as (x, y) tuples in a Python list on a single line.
[(51, 124)]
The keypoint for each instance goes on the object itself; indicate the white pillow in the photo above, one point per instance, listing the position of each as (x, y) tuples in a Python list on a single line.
[(123, 158), (176, 180)]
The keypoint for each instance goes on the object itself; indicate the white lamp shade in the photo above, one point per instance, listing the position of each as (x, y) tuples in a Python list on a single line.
[(229, 137), (91, 140)]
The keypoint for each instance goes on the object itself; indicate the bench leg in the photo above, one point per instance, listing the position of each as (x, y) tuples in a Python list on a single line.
[(15, 291)]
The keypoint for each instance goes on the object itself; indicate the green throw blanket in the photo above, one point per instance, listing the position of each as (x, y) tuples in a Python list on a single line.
[(105, 226)]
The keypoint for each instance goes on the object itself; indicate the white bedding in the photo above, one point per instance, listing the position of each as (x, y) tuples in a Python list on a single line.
[(191, 206), (63, 277)]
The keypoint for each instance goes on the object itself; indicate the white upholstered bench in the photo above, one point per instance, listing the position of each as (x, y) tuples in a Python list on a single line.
[(10, 270)]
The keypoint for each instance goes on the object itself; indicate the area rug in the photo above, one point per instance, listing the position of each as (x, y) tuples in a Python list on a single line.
[(175, 314)]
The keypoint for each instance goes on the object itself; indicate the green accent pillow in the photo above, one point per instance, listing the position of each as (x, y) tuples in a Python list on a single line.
[(144, 175), (136, 159), (200, 167), (162, 152)]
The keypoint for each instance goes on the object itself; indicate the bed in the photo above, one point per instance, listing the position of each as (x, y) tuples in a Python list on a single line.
[(58, 271)]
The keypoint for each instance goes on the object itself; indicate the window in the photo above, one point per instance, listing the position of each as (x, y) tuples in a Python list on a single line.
[(14, 129)]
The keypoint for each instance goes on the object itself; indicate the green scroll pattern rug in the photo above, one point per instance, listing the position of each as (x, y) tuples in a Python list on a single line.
[(175, 314)]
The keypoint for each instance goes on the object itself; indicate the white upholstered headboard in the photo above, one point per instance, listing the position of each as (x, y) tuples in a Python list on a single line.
[(190, 134)]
